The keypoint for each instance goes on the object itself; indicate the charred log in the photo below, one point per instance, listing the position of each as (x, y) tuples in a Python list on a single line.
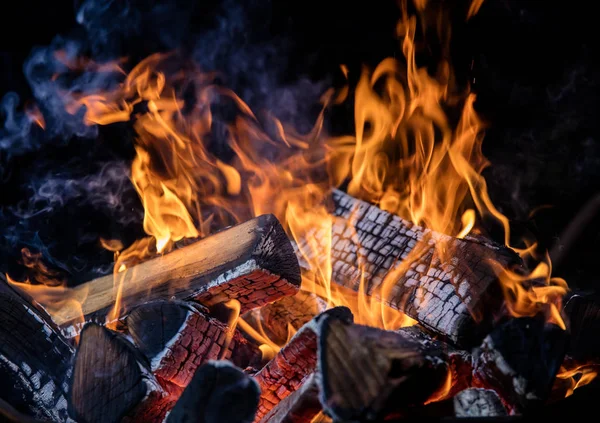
[(292, 365), (112, 381), (300, 407), (444, 283), (34, 360), (369, 374), (583, 319), (219, 392), (178, 337), (519, 359), (253, 262), (474, 402)]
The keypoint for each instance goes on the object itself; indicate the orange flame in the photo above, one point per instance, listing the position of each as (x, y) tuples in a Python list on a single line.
[(578, 375)]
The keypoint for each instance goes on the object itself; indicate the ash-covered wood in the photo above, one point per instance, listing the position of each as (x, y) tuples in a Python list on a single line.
[(112, 381), (287, 371), (368, 373), (299, 407), (219, 392), (445, 283), (177, 337), (519, 359), (34, 359), (253, 262), (583, 319), (293, 311), (477, 402)]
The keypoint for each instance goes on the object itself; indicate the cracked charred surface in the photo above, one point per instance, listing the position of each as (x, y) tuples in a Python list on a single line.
[(477, 402), (368, 373), (35, 359), (178, 337), (300, 407), (112, 381), (444, 283), (253, 263), (292, 365)]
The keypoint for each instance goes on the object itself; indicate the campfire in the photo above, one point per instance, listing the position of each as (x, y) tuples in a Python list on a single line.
[(286, 275)]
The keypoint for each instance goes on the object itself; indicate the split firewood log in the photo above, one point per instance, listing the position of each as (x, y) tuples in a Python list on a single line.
[(445, 283), (35, 360), (178, 337), (299, 407), (370, 374), (112, 381), (519, 359), (219, 392), (253, 263), (294, 363)]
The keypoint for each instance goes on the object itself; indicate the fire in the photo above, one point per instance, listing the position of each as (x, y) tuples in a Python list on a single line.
[(406, 155), (577, 375)]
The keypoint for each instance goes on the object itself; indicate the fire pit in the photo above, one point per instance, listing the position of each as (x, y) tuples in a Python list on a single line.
[(256, 272)]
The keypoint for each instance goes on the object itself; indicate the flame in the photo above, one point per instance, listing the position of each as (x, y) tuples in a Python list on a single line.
[(407, 155), (577, 375)]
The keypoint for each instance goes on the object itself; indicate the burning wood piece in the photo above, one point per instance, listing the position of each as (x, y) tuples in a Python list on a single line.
[(369, 374), (253, 262), (444, 283), (294, 311), (474, 402), (583, 319), (178, 337), (34, 360), (287, 371), (300, 407), (112, 381), (519, 359), (219, 392)]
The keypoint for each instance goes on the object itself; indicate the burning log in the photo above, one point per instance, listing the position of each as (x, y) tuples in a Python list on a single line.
[(300, 407), (178, 337), (369, 373), (112, 381), (34, 360), (219, 392), (583, 319), (444, 283), (294, 311), (474, 402), (292, 365), (519, 359), (253, 262)]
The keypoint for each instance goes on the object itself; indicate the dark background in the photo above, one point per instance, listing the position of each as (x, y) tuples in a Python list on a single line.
[(533, 62)]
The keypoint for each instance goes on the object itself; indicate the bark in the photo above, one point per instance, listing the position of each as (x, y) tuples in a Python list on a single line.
[(287, 371), (34, 360), (178, 337), (370, 374), (218, 393), (444, 283), (253, 262)]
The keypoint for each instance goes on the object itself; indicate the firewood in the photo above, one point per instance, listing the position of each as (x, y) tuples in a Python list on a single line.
[(583, 319), (368, 373), (293, 311), (300, 407), (519, 359), (444, 283), (177, 337), (477, 402), (297, 360), (112, 381), (34, 359), (253, 262), (218, 393)]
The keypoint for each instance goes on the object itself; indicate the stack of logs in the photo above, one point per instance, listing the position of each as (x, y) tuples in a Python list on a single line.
[(175, 354)]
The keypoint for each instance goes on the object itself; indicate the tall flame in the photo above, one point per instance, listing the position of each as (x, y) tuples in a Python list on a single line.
[(407, 155)]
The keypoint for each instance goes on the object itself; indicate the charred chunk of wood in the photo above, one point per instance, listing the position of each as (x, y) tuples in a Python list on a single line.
[(583, 320), (112, 381), (368, 373), (253, 262), (286, 372), (219, 392), (475, 402), (178, 337), (519, 359), (293, 311), (300, 407), (34, 359), (444, 283)]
